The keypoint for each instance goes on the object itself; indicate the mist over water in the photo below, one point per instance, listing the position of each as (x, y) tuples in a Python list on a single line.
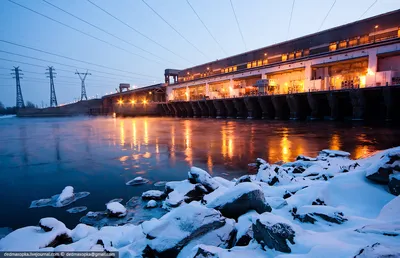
[(40, 156)]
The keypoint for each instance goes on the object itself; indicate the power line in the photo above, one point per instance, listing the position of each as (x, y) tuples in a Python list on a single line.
[(368, 9), (322, 23), (137, 31), (290, 20), (97, 27), (72, 66), (237, 22), (73, 59), (82, 32), (209, 32), (174, 29)]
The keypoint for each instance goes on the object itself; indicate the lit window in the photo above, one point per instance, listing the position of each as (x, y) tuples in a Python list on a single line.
[(332, 46), (230, 69), (248, 65), (284, 57), (265, 61), (291, 56), (343, 44), (259, 63), (234, 68), (254, 64), (298, 54)]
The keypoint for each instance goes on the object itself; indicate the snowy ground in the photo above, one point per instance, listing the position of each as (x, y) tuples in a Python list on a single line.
[(324, 206)]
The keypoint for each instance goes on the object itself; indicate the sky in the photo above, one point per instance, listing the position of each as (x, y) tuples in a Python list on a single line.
[(114, 53)]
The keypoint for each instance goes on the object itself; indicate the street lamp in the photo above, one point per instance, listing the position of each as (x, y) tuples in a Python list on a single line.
[(376, 27)]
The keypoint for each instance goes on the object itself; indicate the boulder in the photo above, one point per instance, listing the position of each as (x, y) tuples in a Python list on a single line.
[(305, 158), (382, 168), (242, 179), (197, 175), (244, 229), (169, 234), (177, 190), (394, 184), (116, 210), (239, 200), (196, 194), (311, 213), (153, 195), (379, 250), (274, 233)]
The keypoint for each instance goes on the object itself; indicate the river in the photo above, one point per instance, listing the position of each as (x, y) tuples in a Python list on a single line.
[(40, 156)]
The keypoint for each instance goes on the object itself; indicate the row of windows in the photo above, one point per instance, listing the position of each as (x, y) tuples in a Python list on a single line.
[(229, 69), (298, 54)]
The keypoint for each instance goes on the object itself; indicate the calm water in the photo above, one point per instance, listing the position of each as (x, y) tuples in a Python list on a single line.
[(39, 157)]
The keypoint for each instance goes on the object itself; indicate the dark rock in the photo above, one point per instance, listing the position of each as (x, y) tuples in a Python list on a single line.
[(274, 235), (45, 228), (381, 176), (196, 194), (236, 202), (273, 181), (311, 217), (394, 186), (298, 170), (245, 239), (202, 252), (318, 202), (62, 239), (378, 250), (305, 158), (306, 218), (242, 179)]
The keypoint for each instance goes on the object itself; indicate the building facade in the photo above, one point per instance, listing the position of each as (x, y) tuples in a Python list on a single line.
[(362, 54)]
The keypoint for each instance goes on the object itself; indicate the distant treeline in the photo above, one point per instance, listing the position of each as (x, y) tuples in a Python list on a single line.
[(13, 110)]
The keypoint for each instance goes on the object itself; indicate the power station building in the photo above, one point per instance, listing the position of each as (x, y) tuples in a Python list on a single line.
[(361, 54)]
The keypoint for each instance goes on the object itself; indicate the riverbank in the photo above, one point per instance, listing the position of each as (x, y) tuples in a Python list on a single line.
[(327, 206)]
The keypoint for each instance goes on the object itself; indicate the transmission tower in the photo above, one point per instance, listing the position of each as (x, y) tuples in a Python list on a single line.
[(82, 76), (53, 98), (20, 100)]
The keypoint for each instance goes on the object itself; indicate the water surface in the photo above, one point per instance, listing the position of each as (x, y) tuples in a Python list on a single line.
[(40, 156)]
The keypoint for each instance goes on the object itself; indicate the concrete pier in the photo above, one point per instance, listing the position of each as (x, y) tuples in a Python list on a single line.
[(220, 107), (241, 110), (230, 108), (267, 108)]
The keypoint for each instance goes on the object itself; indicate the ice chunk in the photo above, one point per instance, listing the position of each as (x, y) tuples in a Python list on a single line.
[(160, 183), (77, 209), (66, 197), (137, 181)]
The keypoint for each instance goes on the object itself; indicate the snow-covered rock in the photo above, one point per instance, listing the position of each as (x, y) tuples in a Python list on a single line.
[(115, 209), (50, 233), (169, 234), (151, 204), (394, 183), (378, 250), (240, 199), (153, 195), (274, 232), (334, 153), (183, 191), (311, 213), (197, 175), (391, 211)]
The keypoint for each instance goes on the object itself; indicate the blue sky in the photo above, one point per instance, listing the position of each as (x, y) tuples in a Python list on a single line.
[(263, 22)]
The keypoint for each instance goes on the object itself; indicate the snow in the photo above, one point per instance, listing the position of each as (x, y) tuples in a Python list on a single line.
[(202, 177), (153, 194), (116, 208), (329, 184), (151, 204), (137, 181), (233, 193), (67, 193)]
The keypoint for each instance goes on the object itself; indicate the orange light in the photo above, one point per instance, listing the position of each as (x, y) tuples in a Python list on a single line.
[(150, 92), (376, 26), (120, 101), (133, 102), (144, 101), (208, 68)]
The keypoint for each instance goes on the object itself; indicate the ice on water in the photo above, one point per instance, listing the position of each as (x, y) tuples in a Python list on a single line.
[(66, 197)]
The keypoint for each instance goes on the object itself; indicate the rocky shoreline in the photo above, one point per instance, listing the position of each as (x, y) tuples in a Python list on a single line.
[(324, 206)]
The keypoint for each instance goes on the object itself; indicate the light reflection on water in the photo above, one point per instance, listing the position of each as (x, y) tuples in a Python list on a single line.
[(39, 157)]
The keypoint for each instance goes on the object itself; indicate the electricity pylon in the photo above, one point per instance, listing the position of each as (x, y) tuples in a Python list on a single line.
[(53, 98), (83, 89), (20, 100)]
